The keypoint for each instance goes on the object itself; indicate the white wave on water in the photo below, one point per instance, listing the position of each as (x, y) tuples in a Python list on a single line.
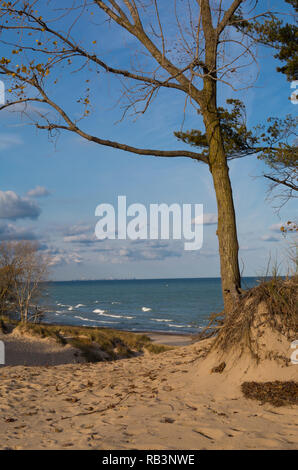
[(94, 321), (85, 319), (96, 326), (62, 305), (113, 316), (116, 302), (116, 316), (146, 309), (106, 321), (80, 305), (180, 326), (70, 308), (160, 319), (102, 312), (98, 310)]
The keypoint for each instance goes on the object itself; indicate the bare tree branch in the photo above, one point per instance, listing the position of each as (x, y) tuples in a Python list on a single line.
[(138, 31), (227, 16), (284, 182)]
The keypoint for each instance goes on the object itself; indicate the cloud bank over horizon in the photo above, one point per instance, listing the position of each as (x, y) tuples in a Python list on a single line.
[(15, 207)]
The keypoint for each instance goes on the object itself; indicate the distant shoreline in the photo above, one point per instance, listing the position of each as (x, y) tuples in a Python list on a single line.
[(153, 279)]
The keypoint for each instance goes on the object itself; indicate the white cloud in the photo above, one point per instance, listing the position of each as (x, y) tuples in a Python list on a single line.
[(15, 207), (270, 238), (12, 232), (249, 248), (83, 238), (9, 140), (39, 191), (137, 252), (276, 227), (57, 257), (77, 229), (58, 260), (209, 219)]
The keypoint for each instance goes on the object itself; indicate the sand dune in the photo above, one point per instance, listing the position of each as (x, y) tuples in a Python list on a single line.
[(33, 352), (165, 401)]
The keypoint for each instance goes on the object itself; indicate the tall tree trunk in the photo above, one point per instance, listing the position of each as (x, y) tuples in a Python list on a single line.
[(226, 230), (227, 236)]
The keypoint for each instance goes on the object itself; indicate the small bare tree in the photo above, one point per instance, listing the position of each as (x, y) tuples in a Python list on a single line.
[(25, 271), (6, 289)]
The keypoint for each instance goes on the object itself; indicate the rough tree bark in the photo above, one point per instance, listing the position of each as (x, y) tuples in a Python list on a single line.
[(226, 229)]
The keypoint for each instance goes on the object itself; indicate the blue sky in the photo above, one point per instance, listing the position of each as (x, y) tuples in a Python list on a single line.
[(49, 190)]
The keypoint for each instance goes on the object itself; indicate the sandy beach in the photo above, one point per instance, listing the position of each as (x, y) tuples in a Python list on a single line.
[(170, 339), (164, 401)]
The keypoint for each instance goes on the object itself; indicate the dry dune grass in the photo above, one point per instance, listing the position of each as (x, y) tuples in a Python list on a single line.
[(96, 344), (272, 305)]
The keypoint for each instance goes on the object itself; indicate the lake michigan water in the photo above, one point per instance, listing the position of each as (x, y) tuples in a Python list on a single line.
[(160, 305)]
